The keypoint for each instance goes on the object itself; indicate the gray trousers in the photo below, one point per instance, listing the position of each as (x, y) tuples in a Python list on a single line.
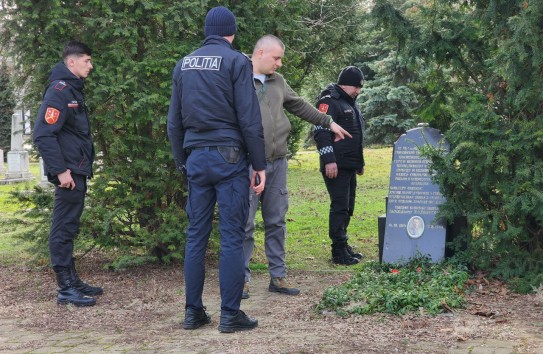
[(274, 206)]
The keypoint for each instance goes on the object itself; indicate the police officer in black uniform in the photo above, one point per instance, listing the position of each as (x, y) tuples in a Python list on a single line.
[(62, 135), (215, 129), (341, 161)]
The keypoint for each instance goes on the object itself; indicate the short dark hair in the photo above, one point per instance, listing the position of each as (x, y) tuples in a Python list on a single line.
[(75, 48)]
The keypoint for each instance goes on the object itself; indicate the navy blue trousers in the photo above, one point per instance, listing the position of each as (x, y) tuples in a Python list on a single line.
[(67, 211), (212, 180)]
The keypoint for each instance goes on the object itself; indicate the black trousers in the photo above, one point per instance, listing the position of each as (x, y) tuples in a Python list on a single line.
[(342, 190), (67, 211)]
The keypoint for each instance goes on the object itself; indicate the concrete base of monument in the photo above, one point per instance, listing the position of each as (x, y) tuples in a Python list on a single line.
[(18, 168), (8, 180)]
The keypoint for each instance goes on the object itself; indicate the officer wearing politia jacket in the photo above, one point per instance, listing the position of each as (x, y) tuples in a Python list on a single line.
[(62, 135), (343, 160), (214, 123), (275, 95)]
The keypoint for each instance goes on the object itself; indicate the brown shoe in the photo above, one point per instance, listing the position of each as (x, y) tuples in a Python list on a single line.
[(245, 293), (280, 285)]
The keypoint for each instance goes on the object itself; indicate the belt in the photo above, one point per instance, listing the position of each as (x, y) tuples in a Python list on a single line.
[(206, 148)]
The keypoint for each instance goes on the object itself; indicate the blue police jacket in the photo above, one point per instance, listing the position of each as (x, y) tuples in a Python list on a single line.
[(214, 103), (62, 131)]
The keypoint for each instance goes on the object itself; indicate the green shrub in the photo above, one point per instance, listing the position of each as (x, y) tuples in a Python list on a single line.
[(36, 208), (129, 245), (493, 176)]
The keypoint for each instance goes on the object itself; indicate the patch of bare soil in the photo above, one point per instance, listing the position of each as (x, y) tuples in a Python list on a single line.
[(142, 309)]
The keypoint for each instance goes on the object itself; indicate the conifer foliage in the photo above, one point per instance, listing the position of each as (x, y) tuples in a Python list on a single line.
[(484, 61)]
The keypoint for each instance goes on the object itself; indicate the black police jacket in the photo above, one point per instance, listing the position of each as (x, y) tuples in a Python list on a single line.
[(214, 103), (62, 131), (347, 153)]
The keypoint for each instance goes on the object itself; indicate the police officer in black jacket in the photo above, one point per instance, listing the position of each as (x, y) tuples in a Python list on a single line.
[(62, 135), (341, 161), (215, 129)]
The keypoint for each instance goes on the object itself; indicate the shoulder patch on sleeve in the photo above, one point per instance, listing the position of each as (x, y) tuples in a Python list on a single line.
[(323, 107), (51, 115), (60, 85)]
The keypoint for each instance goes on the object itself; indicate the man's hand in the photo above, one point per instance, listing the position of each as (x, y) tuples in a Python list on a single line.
[(330, 169), (339, 131), (258, 180), (360, 172), (66, 180)]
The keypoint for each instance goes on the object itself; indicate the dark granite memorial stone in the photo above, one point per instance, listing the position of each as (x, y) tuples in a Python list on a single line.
[(413, 200)]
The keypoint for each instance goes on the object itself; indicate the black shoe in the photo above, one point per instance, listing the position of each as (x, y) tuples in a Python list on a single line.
[(341, 256), (345, 260), (84, 288), (67, 293), (87, 289), (237, 322), (280, 285), (353, 253), (73, 296), (195, 318), (245, 293)]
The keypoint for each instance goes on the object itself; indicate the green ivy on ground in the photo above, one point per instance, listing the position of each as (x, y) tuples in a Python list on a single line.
[(399, 289)]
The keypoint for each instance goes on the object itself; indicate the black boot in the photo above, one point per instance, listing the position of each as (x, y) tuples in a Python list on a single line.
[(353, 253), (238, 322), (67, 293), (340, 255), (84, 288), (195, 318)]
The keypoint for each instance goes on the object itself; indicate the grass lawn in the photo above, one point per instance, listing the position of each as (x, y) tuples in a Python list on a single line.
[(308, 244)]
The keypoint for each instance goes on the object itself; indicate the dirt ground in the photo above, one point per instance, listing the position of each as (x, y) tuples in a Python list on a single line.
[(142, 311)]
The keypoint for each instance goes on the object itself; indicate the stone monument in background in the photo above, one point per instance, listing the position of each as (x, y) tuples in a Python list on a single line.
[(44, 182), (411, 228), (2, 168), (18, 160)]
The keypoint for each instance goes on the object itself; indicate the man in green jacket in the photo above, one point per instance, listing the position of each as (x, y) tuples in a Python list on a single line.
[(274, 95)]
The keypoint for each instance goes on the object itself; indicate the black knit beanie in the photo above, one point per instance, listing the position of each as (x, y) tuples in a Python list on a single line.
[(220, 22), (351, 76)]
